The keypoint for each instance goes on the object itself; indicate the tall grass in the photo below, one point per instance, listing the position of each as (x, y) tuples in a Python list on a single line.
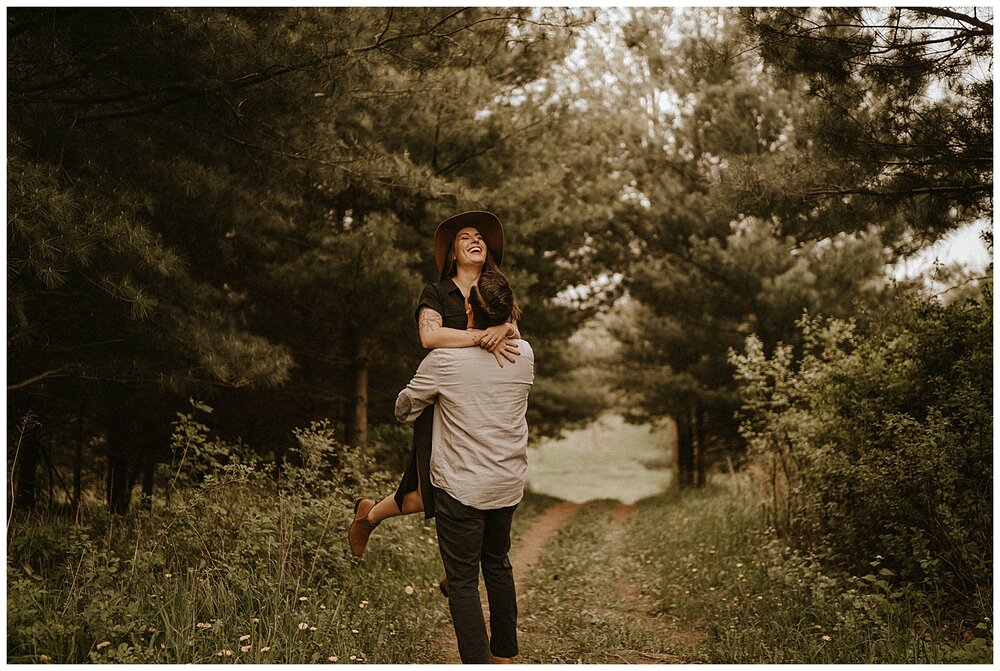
[(716, 565), (238, 568)]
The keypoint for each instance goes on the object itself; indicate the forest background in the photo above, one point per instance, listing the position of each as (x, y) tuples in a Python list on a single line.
[(219, 221)]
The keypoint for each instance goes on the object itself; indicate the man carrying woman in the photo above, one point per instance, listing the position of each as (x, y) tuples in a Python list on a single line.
[(478, 462)]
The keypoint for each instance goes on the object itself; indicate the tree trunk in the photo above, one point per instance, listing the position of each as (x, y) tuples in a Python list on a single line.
[(26, 465), (357, 426), (700, 447), (118, 491), (148, 471), (78, 466), (685, 450)]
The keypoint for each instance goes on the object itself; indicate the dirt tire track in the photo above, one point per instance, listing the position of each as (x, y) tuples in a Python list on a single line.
[(642, 605), (524, 555)]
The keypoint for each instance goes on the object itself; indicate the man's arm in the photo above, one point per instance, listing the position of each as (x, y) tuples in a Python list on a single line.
[(420, 392)]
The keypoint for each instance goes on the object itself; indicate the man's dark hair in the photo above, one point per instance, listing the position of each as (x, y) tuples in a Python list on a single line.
[(492, 300)]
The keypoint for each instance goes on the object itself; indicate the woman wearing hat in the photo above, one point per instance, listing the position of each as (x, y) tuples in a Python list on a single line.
[(464, 246)]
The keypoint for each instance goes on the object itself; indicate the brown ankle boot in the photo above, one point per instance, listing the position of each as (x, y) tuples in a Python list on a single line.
[(361, 528), (501, 660)]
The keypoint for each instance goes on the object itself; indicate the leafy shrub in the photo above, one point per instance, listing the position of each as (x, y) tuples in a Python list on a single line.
[(229, 570), (883, 445), (764, 601), (196, 453), (389, 445)]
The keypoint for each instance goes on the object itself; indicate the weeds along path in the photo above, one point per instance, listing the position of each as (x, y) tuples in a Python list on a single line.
[(524, 556)]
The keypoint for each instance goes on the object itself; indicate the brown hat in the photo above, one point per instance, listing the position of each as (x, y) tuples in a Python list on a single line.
[(488, 225)]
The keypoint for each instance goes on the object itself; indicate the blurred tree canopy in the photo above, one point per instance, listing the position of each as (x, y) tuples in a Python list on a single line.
[(902, 130), (749, 183), (238, 204)]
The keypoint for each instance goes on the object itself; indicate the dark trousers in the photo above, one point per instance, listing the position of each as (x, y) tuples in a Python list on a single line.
[(469, 537)]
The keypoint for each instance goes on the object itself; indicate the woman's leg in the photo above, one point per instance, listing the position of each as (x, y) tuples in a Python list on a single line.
[(413, 502), (408, 497), (362, 527)]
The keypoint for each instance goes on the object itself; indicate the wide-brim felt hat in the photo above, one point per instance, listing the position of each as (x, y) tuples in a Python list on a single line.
[(488, 225)]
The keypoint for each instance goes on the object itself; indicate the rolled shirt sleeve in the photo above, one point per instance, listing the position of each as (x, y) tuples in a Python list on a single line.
[(430, 298), (420, 392)]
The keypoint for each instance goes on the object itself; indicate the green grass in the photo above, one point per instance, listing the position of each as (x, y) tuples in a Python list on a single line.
[(132, 594), (695, 576), (575, 613), (714, 563), (607, 460), (231, 573), (234, 571)]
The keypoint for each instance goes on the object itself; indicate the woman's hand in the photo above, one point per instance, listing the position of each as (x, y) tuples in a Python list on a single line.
[(505, 349), (500, 346), (492, 336)]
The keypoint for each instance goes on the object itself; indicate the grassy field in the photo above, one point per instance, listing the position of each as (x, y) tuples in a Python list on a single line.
[(137, 591), (226, 580), (696, 577), (607, 460), (236, 571)]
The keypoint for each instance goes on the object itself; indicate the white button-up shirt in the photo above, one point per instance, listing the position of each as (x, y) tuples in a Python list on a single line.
[(479, 446)]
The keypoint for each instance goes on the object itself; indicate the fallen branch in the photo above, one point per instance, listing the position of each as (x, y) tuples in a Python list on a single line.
[(55, 372)]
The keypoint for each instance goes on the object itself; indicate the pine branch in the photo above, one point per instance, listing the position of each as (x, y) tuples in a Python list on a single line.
[(951, 14), (917, 191), (55, 372), (492, 145)]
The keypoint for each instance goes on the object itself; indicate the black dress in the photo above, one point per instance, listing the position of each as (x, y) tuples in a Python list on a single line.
[(447, 300)]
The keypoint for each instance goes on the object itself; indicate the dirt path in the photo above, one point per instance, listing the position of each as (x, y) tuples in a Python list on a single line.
[(524, 555), (642, 607)]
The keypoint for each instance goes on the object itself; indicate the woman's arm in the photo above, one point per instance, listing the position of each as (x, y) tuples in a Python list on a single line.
[(433, 333)]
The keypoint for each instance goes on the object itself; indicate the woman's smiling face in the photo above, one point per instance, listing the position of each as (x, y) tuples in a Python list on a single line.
[(470, 248)]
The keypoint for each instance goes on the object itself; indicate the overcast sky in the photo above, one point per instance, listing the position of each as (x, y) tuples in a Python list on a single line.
[(961, 246)]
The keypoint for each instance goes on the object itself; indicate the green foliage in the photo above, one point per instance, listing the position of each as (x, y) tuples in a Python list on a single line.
[(691, 308), (196, 454), (762, 601), (236, 562), (882, 445), (389, 446), (900, 133), (238, 203)]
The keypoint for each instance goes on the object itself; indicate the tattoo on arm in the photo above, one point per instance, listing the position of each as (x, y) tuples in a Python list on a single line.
[(429, 320)]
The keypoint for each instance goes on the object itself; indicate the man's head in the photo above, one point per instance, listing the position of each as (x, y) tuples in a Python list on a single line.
[(492, 300)]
